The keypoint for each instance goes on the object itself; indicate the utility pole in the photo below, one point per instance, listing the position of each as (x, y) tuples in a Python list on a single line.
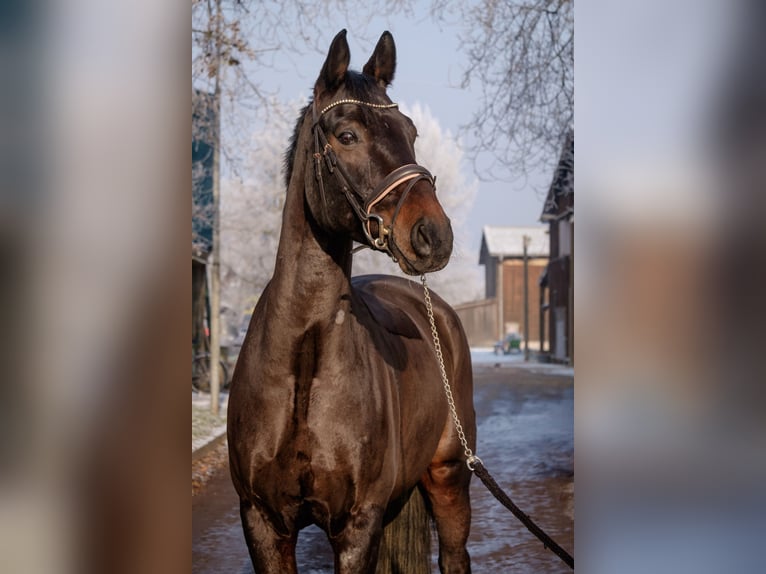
[(499, 298), (215, 278), (526, 299)]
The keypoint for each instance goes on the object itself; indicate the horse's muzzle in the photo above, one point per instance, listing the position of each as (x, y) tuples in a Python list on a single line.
[(431, 244)]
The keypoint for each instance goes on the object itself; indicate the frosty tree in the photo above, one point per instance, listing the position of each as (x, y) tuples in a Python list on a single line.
[(251, 215)]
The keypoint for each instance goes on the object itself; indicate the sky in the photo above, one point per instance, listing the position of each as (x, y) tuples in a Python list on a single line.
[(429, 70)]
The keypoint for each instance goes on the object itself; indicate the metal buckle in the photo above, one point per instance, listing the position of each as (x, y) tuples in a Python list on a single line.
[(471, 461), (381, 241)]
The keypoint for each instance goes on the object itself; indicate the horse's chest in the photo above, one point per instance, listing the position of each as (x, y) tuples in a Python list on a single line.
[(348, 397), (326, 405)]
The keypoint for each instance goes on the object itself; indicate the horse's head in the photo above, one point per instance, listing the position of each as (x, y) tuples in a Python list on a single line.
[(365, 182)]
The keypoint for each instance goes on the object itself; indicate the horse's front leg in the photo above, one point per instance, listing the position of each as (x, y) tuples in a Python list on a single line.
[(447, 482), (270, 551), (356, 546)]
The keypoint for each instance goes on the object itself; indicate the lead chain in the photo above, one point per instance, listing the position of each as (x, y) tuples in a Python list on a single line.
[(470, 457)]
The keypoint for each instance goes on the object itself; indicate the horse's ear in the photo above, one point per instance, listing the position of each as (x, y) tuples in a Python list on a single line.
[(335, 66), (382, 63)]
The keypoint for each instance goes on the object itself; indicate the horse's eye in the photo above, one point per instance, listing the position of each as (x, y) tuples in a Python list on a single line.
[(347, 138)]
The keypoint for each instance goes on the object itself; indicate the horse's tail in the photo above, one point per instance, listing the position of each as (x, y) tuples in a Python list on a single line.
[(405, 547)]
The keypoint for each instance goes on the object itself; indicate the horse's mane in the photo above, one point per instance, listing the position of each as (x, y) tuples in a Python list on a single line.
[(358, 86)]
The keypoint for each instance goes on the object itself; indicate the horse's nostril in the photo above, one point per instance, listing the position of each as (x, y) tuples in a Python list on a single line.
[(421, 239)]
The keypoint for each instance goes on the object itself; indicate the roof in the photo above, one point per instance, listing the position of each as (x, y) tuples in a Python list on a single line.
[(560, 200), (508, 242)]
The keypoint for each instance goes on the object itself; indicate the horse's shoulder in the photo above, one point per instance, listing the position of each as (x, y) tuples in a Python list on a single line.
[(391, 301)]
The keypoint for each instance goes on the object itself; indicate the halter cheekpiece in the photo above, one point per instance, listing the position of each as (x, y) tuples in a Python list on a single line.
[(383, 237)]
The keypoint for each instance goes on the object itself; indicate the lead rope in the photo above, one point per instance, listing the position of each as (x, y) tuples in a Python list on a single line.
[(470, 458), (472, 461)]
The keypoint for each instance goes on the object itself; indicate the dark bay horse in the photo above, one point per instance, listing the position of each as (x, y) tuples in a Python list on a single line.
[(337, 412)]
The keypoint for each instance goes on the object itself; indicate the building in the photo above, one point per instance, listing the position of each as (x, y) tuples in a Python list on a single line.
[(557, 309), (503, 255), (501, 312)]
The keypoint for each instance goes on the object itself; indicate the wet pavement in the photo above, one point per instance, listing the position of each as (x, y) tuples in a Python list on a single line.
[(525, 417)]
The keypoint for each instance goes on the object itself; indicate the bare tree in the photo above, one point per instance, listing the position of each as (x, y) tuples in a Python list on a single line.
[(521, 52)]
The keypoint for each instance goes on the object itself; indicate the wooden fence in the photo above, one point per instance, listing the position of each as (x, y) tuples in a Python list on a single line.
[(479, 320)]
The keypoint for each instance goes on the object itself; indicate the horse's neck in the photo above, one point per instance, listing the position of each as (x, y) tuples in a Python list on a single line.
[(307, 279), (311, 281)]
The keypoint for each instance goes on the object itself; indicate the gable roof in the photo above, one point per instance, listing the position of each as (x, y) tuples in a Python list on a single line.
[(508, 242)]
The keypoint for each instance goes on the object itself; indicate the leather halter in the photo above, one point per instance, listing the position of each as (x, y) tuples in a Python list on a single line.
[(383, 237)]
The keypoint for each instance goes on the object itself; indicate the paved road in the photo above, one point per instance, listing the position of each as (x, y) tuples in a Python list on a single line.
[(526, 440)]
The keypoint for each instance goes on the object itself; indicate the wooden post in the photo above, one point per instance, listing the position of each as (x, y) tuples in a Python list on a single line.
[(499, 298), (215, 275)]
